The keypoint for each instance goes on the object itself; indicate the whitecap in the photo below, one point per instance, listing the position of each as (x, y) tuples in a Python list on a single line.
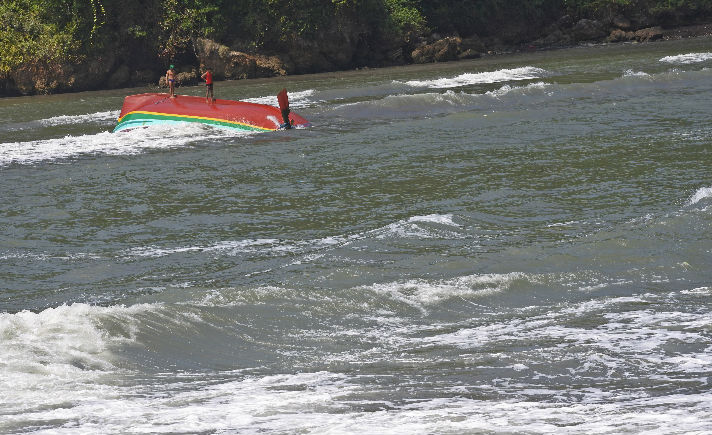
[(686, 59), (419, 293), (98, 117), (429, 103), (296, 99), (701, 194), (107, 143), (507, 89), (54, 356), (503, 75), (631, 73), (435, 218), (236, 247), (421, 227)]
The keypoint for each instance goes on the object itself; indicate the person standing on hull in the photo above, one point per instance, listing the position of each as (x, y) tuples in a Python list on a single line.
[(171, 80), (208, 77)]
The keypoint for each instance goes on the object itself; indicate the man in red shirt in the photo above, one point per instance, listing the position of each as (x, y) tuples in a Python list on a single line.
[(208, 77)]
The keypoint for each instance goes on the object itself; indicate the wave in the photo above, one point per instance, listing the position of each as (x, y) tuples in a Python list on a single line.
[(296, 99), (433, 226), (627, 333), (422, 293), (107, 143), (419, 294), (686, 59), (434, 103), (63, 344), (98, 117), (522, 90), (467, 79), (631, 73), (59, 371), (445, 219), (329, 402), (701, 194), (234, 247)]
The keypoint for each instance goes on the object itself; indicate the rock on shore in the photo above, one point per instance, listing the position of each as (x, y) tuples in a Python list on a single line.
[(230, 64)]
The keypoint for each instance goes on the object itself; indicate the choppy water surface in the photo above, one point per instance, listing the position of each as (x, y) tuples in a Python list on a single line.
[(518, 244)]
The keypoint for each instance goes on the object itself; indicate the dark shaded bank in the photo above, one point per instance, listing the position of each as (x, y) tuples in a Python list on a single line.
[(88, 45)]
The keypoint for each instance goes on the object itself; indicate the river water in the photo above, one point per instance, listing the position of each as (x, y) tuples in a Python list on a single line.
[(516, 244)]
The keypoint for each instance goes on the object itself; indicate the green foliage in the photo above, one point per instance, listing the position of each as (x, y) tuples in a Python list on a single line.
[(181, 22), (488, 17), (55, 31), (34, 31), (405, 16)]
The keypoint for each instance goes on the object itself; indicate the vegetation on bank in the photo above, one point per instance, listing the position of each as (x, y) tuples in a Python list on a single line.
[(143, 33)]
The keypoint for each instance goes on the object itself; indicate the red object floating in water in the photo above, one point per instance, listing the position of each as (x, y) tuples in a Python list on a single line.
[(157, 108)]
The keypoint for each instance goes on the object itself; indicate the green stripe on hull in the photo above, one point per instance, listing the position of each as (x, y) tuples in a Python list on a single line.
[(134, 120)]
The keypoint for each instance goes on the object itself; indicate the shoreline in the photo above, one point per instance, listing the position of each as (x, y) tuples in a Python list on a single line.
[(691, 31), (676, 33)]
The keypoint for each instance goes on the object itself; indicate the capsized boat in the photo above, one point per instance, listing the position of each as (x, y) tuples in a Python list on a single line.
[(143, 110)]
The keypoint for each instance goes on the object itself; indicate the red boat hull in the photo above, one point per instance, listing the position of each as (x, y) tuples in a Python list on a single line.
[(153, 109)]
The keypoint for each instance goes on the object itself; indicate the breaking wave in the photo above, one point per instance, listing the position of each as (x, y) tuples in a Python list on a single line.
[(433, 226), (686, 59), (701, 194), (98, 117), (632, 73), (296, 99), (435, 103), (467, 79), (107, 143)]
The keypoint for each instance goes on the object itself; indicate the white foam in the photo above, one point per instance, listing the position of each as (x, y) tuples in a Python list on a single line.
[(419, 227), (562, 224), (503, 75), (420, 102), (442, 219), (641, 335), (686, 59), (701, 194), (296, 99), (421, 293), (9, 255), (698, 291), (430, 103), (631, 73), (123, 143), (507, 89), (61, 334), (328, 403), (236, 247), (98, 117), (55, 356), (249, 245), (414, 227), (70, 399)]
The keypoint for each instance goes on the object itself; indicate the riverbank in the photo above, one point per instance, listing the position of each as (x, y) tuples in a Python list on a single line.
[(235, 65), (109, 71)]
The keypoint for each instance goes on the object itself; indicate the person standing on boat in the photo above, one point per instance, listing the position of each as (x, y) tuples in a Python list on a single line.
[(208, 77), (171, 81)]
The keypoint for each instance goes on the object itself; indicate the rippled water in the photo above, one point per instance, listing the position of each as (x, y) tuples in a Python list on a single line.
[(517, 244)]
